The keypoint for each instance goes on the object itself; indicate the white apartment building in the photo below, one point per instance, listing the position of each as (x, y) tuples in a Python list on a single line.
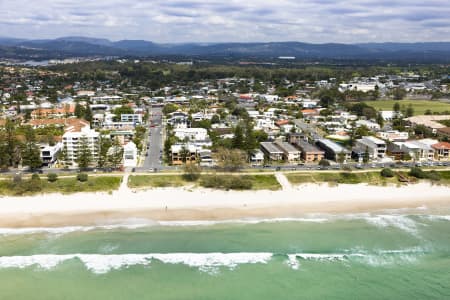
[(133, 118), (375, 146), (72, 140), (130, 155), (193, 134), (393, 135), (49, 153)]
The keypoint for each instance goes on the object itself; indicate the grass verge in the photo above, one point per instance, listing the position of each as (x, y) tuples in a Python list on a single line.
[(62, 185)]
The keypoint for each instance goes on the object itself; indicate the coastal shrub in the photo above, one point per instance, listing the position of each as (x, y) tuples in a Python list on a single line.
[(418, 173), (17, 178), (82, 177), (35, 177), (227, 182), (52, 177), (434, 176), (34, 185), (324, 163), (386, 172), (238, 183), (192, 172), (348, 178)]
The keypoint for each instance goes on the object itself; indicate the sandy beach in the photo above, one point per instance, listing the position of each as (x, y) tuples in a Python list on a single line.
[(174, 204)]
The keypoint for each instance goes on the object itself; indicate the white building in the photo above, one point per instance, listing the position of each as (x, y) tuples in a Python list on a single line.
[(130, 155), (393, 135), (72, 140), (133, 118), (193, 134), (376, 147), (369, 124), (49, 154)]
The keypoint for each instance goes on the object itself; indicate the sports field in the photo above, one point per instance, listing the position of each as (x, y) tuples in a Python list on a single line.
[(419, 106)]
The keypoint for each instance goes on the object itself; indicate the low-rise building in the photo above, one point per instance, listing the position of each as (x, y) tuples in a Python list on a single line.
[(309, 153), (133, 118), (192, 134), (73, 139), (271, 151), (333, 150), (376, 147), (393, 135), (442, 150), (183, 153), (290, 153), (49, 153), (130, 155)]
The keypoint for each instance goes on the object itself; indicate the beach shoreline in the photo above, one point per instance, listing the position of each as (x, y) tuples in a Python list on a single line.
[(184, 204)]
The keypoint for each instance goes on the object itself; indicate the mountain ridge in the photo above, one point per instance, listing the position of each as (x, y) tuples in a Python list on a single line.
[(88, 46)]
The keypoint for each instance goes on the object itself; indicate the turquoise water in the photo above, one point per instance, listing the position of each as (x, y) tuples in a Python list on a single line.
[(368, 256)]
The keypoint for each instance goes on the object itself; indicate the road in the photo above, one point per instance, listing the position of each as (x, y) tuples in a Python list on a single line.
[(154, 158)]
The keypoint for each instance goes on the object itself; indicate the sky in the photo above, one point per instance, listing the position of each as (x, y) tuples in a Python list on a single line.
[(178, 21)]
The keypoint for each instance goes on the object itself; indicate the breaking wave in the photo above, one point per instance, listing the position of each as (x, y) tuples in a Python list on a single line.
[(205, 262)]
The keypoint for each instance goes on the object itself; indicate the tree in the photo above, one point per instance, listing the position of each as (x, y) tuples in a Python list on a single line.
[(192, 172), (122, 110), (79, 111), (341, 157), (230, 159), (366, 155), (399, 93), (409, 111), (52, 177), (84, 157), (105, 144), (324, 163), (238, 139), (31, 154), (184, 154), (115, 154), (169, 108), (380, 120), (250, 142), (88, 113), (386, 172), (396, 107), (12, 144)]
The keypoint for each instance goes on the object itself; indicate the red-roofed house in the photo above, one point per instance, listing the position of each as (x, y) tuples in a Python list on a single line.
[(442, 150), (280, 123)]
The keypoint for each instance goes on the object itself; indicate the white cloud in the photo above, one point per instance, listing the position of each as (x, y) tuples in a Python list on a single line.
[(233, 20)]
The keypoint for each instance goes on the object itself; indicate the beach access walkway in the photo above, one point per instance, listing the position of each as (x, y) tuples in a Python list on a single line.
[(283, 181)]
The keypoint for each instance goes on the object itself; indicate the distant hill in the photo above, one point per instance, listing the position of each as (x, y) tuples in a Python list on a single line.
[(84, 46)]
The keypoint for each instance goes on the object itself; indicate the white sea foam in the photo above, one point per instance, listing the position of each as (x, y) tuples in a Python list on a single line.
[(101, 263), (436, 217), (142, 223), (399, 221), (240, 221), (70, 229)]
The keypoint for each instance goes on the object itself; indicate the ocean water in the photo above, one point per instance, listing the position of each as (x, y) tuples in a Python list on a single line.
[(389, 255)]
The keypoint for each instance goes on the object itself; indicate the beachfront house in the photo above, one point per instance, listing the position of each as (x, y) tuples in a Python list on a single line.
[(333, 150), (290, 153), (310, 153), (271, 151), (374, 146)]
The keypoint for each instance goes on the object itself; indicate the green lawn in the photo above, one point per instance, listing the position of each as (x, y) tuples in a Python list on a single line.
[(373, 178), (419, 106), (137, 181), (62, 185), (258, 182), (264, 182)]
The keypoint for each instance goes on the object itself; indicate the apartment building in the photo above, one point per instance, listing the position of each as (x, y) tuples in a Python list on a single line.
[(72, 140), (375, 146), (309, 153)]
